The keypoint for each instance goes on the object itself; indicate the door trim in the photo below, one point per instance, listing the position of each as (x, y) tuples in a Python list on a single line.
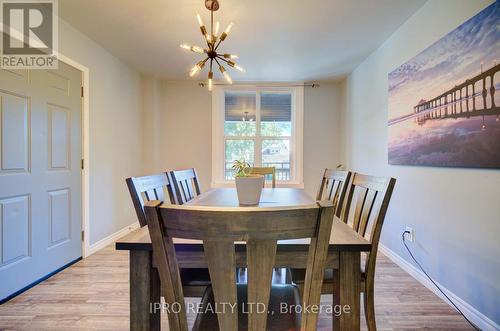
[(85, 148)]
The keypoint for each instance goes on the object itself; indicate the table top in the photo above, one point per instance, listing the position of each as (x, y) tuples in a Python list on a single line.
[(226, 199), (342, 238)]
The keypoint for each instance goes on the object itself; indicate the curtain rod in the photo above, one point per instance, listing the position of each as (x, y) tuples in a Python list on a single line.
[(278, 85)]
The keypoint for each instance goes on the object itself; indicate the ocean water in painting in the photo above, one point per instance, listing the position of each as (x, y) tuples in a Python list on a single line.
[(444, 104)]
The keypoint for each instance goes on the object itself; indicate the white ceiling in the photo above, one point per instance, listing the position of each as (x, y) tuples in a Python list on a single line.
[(277, 40)]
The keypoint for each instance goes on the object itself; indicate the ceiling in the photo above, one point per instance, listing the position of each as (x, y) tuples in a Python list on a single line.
[(276, 40)]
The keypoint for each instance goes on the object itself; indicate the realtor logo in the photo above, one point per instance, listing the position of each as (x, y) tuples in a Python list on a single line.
[(29, 34)]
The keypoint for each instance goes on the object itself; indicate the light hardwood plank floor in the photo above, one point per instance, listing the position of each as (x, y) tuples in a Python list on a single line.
[(93, 294)]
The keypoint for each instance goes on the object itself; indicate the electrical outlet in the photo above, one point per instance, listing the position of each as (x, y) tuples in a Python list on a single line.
[(411, 235)]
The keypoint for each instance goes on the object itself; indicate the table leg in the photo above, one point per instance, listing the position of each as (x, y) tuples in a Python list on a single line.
[(349, 290), (144, 292)]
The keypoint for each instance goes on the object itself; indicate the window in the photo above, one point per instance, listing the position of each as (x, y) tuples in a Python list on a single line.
[(263, 126)]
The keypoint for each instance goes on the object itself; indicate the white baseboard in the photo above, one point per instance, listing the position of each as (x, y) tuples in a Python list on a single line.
[(112, 238), (481, 321)]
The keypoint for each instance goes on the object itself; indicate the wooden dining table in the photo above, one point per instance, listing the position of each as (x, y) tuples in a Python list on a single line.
[(344, 254)]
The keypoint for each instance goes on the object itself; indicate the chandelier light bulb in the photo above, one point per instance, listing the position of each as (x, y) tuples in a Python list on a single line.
[(217, 26), (228, 28), (197, 68), (227, 77), (194, 71), (235, 66), (225, 74), (197, 49), (239, 68), (202, 27), (231, 56), (226, 32), (210, 80)]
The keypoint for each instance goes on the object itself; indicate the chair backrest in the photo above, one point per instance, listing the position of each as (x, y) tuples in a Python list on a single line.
[(334, 187), (186, 184), (147, 188), (219, 228), (367, 203), (265, 171)]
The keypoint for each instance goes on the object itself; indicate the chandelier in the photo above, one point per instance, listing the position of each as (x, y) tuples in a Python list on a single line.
[(211, 53)]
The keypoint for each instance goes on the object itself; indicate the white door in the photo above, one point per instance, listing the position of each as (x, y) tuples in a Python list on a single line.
[(40, 174)]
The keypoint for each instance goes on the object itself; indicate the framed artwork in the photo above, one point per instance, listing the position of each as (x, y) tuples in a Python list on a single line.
[(444, 104)]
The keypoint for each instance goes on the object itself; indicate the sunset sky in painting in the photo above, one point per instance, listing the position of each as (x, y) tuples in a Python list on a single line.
[(468, 140), (448, 62)]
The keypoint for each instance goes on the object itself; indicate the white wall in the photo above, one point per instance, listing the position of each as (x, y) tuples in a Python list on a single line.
[(321, 133), (178, 127), (115, 131), (151, 108), (455, 212), (179, 116)]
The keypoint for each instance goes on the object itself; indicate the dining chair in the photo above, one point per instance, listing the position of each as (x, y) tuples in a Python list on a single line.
[(269, 171), (159, 187), (186, 183), (146, 188), (187, 187), (265, 171), (367, 201), (333, 187), (219, 229)]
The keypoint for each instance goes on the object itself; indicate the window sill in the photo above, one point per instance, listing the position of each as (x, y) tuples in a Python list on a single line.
[(230, 184)]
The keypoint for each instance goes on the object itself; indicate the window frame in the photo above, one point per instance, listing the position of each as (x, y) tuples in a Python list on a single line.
[(296, 139)]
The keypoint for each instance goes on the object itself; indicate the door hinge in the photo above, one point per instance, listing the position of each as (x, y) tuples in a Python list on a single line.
[(83, 235), (82, 91), (83, 164)]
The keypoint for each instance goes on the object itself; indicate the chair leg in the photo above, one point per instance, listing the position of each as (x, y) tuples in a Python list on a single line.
[(301, 290), (368, 300), (288, 276), (336, 300), (240, 275)]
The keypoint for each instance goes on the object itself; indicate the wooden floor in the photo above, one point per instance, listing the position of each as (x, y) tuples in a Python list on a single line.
[(94, 294)]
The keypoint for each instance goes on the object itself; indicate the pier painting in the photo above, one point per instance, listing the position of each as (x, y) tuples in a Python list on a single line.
[(444, 104)]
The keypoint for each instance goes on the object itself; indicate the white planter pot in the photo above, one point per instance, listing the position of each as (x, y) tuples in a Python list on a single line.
[(249, 189)]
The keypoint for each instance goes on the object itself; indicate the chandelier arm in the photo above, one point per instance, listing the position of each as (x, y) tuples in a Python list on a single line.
[(218, 63), (206, 40), (217, 46), (223, 59)]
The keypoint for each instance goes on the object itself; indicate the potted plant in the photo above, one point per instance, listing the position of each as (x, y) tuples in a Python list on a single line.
[(248, 186)]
